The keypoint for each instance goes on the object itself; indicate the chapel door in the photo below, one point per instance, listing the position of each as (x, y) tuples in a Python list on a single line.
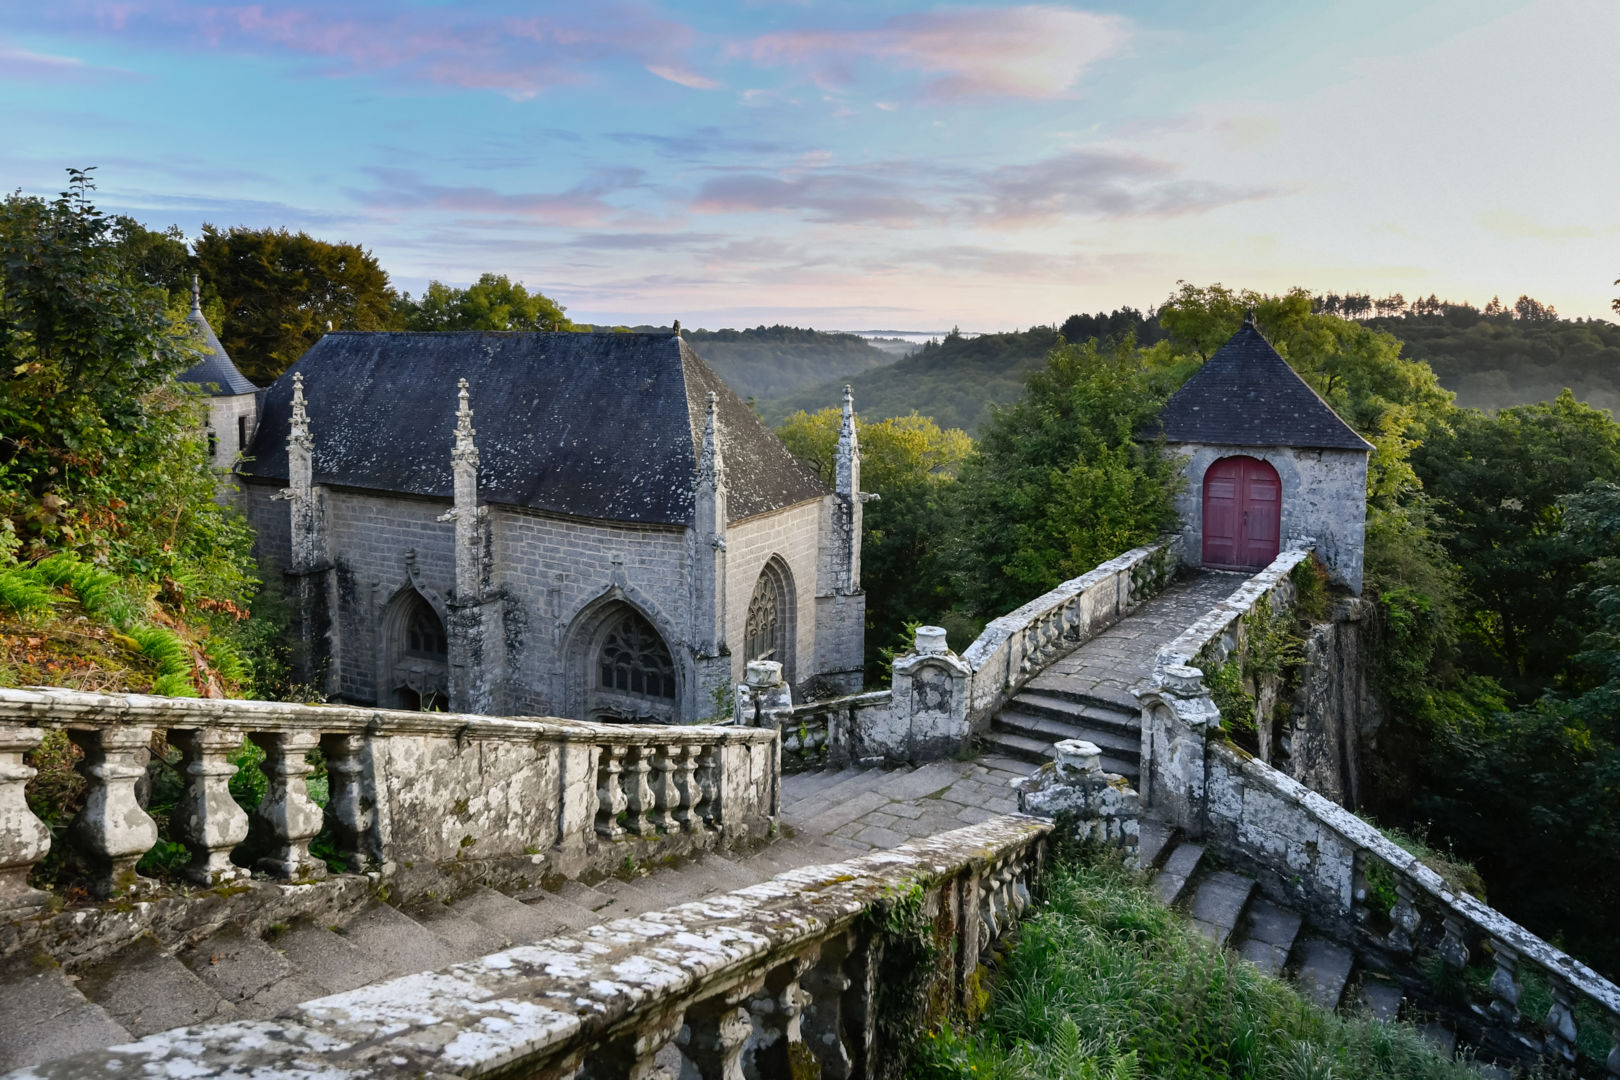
[(1242, 514)]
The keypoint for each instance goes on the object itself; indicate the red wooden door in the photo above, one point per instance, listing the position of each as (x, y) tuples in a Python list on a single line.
[(1242, 513)]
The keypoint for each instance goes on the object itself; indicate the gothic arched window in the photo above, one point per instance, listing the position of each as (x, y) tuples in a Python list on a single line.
[(634, 660), (424, 633), (762, 633)]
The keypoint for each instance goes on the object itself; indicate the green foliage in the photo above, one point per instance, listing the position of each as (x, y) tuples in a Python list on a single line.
[(493, 302), (280, 290), (1060, 481), (1105, 981), (1236, 704)]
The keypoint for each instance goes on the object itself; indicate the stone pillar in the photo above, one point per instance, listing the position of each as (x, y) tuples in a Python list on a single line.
[(823, 1024), (24, 839), (716, 1031), (847, 484), (840, 602), (208, 821), (287, 819), (351, 805), (1177, 716), (928, 719), (633, 1056), (709, 540), (1103, 807), (476, 624), (112, 832), (761, 691), (778, 1012), (309, 568)]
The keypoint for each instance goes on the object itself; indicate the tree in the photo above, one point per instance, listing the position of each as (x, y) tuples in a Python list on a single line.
[(281, 291), (910, 462), (1615, 303), (1531, 310), (491, 303)]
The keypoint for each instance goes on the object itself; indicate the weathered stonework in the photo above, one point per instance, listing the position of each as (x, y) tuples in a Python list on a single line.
[(1102, 808)]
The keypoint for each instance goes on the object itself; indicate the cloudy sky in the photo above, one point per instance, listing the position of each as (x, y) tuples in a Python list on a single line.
[(879, 164)]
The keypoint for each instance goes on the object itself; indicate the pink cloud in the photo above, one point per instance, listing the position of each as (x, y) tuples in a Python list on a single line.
[(582, 206), (1029, 52)]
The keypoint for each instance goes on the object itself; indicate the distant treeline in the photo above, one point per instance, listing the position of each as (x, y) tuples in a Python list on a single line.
[(772, 361)]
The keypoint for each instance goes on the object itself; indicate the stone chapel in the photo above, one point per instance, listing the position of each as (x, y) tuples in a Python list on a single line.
[(587, 525)]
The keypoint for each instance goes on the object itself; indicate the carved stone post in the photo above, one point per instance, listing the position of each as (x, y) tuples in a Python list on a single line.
[(778, 1011), (638, 790), (1560, 1037), (827, 984), (631, 1057), (1454, 946), (1404, 917), (684, 765), (351, 805), (1505, 988), (208, 821), (1178, 716), (1612, 1063), (24, 839), (112, 832), (287, 819), (708, 780), (610, 800), (1104, 808), (713, 1040), (930, 710), (666, 792)]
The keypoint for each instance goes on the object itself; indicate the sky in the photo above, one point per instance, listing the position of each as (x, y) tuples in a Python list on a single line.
[(871, 165)]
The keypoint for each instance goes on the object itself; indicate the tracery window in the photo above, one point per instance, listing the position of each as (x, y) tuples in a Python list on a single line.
[(634, 659), (424, 633), (762, 633)]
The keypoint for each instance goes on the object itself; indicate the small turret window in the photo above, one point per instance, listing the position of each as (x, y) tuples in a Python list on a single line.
[(634, 659)]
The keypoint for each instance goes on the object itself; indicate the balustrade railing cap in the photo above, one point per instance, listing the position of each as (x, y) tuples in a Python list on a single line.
[(762, 673), (931, 640), (1184, 680), (1078, 756)]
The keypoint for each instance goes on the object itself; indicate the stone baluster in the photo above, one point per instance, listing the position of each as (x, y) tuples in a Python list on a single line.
[(666, 791), (1454, 946), (1613, 1061), (610, 800), (351, 805), (633, 1056), (24, 839), (716, 1031), (641, 802), (1505, 988), (1358, 888), (989, 913), (208, 821), (287, 819), (1404, 918), (778, 1012), (684, 766), (708, 778), (827, 983), (112, 832), (1560, 1034)]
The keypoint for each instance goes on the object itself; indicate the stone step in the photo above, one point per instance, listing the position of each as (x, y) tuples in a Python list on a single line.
[(145, 990), (513, 921), (1324, 968), (327, 958), (1067, 710), (1218, 904), (1154, 842), (1381, 998), (849, 782), (1105, 698), (1268, 935), (1178, 870), (1021, 747), (248, 972), (1126, 746), (838, 810), (46, 1017), (401, 944)]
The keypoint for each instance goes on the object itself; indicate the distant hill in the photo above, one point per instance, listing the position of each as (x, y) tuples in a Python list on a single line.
[(770, 361), (957, 379), (1496, 361)]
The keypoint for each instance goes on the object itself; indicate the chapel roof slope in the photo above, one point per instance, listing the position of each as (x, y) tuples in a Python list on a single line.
[(596, 425), (1247, 395), (215, 368)]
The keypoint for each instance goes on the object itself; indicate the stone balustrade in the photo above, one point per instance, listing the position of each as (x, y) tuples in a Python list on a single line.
[(1220, 634), (410, 794), (787, 978), (1100, 808)]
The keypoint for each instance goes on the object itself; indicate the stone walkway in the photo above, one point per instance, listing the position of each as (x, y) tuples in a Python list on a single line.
[(1108, 665)]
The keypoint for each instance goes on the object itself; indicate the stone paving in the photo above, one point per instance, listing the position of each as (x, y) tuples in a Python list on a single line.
[(1108, 665)]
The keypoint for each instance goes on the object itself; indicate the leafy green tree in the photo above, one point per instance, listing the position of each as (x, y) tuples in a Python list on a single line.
[(1060, 481), (493, 302), (281, 291), (910, 462)]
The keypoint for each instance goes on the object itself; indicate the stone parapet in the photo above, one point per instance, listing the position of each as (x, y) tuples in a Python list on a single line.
[(1101, 808), (787, 975)]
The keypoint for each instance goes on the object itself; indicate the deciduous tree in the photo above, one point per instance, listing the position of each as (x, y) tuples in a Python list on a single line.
[(493, 302)]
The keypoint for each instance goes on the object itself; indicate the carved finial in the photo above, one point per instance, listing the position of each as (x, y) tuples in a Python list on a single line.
[(677, 328), (298, 437), (196, 295), (465, 450), (709, 465)]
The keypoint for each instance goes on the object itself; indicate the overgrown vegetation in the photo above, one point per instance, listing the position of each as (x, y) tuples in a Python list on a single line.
[(1105, 981)]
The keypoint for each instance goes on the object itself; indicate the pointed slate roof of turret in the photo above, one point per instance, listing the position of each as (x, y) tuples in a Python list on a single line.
[(599, 425), (1247, 395), (215, 369)]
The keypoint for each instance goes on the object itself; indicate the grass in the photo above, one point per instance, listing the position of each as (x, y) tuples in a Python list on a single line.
[(1105, 982)]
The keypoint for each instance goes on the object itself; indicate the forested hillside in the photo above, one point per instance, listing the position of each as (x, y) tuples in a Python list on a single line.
[(774, 361), (957, 379)]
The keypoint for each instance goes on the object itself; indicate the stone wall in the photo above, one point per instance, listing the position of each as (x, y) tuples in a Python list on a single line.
[(1334, 714), (791, 535), (226, 414), (1324, 502)]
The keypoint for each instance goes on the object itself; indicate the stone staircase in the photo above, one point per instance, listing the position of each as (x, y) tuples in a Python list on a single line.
[(1228, 908), (148, 987), (1087, 694)]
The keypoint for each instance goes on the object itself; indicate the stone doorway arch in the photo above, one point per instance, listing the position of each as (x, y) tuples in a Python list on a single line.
[(1242, 513)]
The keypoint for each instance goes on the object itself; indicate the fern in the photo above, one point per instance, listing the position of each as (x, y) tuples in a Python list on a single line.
[(22, 592)]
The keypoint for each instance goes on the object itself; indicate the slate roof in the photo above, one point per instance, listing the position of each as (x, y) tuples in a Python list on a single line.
[(1247, 395), (214, 369), (596, 425)]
